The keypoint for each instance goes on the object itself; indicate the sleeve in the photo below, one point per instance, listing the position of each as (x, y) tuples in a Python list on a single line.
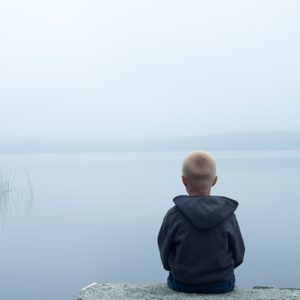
[(236, 243), (165, 242)]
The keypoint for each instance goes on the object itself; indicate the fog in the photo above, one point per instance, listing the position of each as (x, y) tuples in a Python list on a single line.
[(148, 68)]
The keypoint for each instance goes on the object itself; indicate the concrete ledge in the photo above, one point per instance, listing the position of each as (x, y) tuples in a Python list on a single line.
[(124, 291)]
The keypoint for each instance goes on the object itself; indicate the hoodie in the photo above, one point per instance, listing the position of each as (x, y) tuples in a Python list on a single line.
[(200, 241)]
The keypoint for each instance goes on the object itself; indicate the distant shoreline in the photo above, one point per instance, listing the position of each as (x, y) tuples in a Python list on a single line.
[(246, 141)]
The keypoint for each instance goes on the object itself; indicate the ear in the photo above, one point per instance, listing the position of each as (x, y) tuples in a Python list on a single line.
[(184, 181), (215, 181)]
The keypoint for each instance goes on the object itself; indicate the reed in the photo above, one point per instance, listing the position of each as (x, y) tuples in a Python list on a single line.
[(15, 192)]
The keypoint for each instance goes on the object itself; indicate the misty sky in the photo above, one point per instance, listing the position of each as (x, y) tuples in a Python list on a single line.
[(148, 68)]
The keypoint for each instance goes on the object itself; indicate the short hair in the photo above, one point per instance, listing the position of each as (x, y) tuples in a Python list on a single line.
[(199, 168)]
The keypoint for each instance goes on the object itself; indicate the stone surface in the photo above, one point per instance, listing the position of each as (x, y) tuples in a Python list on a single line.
[(106, 291)]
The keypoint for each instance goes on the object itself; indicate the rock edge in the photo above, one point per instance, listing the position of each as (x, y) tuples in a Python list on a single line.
[(124, 291)]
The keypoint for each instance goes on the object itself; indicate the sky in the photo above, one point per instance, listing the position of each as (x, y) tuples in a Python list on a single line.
[(140, 68)]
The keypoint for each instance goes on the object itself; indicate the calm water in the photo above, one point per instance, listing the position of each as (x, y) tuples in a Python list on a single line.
[(95, 217)]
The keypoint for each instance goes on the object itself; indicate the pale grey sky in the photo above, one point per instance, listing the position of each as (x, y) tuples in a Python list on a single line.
[(148, 68)]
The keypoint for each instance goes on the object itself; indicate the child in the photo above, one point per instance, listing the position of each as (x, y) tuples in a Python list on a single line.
[(200, 242)]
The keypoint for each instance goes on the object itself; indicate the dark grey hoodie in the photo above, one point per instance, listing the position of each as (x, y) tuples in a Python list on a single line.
[(200, 240)]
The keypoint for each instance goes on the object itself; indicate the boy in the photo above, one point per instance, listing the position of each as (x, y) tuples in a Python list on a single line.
[(200, 242)]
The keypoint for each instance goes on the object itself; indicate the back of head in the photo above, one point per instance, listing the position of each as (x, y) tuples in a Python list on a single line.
[(199, 170)]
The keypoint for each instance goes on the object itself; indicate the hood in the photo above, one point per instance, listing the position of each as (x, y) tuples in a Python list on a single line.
[(205, 211)]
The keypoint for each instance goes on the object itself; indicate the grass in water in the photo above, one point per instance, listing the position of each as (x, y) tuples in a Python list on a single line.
[(15, 192)]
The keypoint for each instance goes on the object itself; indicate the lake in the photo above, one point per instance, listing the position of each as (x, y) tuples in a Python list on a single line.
[(95, 217)]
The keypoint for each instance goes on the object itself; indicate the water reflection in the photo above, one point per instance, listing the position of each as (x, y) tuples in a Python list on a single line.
[(16, 193)]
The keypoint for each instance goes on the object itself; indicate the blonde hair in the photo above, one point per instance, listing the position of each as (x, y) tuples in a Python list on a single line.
[(199, 169)]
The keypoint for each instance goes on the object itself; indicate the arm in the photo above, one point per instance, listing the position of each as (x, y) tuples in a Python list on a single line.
[(165, 242), (236, 243)]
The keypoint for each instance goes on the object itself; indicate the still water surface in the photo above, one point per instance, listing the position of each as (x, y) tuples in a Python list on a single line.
[(95, 217)]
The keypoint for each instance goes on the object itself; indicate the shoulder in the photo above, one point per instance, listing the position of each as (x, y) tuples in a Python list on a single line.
[(172, 217), (172, 212), (233, 223)]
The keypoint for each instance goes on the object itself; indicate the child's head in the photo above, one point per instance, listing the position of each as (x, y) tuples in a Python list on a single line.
[(199, 173)]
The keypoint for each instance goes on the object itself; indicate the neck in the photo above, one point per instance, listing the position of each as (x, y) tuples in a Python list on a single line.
[(199, 193)]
